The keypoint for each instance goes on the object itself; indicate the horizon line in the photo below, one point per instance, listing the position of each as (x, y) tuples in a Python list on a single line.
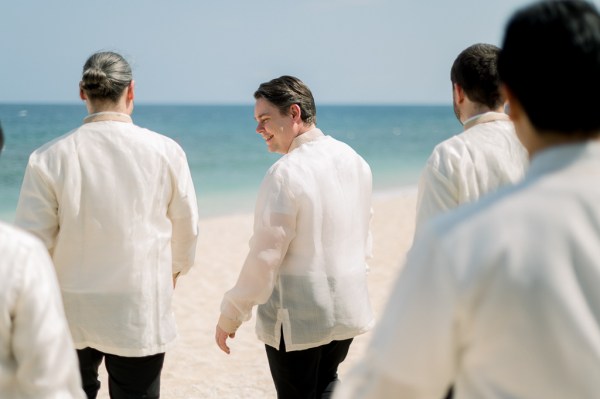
[(236, 104)]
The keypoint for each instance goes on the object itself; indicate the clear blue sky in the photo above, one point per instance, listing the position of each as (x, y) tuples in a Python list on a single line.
[(218, 51)]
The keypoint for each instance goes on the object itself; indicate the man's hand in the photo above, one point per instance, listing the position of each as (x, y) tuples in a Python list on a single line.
[(221, 338)]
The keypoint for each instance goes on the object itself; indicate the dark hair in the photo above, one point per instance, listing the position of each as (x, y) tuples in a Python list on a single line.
[(550, 60), (105, 76), (288, 90), (476, 71)]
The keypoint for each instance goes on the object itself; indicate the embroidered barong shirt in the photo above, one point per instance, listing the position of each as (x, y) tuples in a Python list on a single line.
[(37, 356), (115, 205), (500, 297), (486, 156), (306, 267)]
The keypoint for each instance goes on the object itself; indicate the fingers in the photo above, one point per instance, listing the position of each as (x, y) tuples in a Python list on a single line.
[(221, 338)]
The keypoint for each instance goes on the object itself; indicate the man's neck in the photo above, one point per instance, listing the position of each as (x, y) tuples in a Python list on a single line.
[(474, 110), (305, 128), (122, 105)]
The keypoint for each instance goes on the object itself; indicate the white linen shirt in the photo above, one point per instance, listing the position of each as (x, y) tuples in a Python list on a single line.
[(306, 267), (115, 205), (37, 357), (499, 298), (486, 156)]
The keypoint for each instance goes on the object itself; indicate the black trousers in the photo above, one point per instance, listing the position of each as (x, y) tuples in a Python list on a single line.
[(306, 374), (128, 377)]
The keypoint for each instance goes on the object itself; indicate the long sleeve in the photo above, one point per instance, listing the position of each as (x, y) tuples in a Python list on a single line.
[(45, 361), (274, 229), (183, 213), (37, 209)]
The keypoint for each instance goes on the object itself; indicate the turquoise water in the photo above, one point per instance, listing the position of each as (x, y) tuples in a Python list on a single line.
[(227, 158)]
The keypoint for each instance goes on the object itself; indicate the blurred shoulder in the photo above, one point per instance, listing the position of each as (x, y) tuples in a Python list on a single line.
[(15, 242)]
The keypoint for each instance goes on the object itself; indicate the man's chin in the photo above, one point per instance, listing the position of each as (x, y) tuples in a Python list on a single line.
[(273, 149)]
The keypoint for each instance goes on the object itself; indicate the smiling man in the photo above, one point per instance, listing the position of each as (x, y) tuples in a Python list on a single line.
[(306, 268)]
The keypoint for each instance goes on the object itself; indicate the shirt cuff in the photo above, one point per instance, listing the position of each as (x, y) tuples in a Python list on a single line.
[(228, 325)]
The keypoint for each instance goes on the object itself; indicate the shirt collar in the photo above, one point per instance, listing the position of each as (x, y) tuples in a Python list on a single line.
[(484, 118), (310, 135), (107, 116)]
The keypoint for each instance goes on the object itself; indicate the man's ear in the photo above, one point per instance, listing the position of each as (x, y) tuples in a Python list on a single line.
[(81, 92), (296, 113), (514, 108), (131, 91), (459, 93)]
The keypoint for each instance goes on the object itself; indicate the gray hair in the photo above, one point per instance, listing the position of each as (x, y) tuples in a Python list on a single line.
[(105, 76)]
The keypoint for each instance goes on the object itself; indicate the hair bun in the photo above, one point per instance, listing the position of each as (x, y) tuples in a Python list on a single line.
[(94, 75), (95, 81), (105, 76)]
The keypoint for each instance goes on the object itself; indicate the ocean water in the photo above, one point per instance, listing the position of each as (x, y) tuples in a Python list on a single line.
[(227, 158)]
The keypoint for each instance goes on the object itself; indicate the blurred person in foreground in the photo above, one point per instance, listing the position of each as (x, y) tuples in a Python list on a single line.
[(37, 357), (500, 298), (487, 154), (115, 206), (306, 268)]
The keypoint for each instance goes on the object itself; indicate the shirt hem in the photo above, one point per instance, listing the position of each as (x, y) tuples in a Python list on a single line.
[(273, 342), (128, 352)]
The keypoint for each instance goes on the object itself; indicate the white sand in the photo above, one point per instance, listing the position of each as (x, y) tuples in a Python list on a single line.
[(196, 368)]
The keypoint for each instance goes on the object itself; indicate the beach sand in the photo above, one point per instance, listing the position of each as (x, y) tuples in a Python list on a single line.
[(196, 368)]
